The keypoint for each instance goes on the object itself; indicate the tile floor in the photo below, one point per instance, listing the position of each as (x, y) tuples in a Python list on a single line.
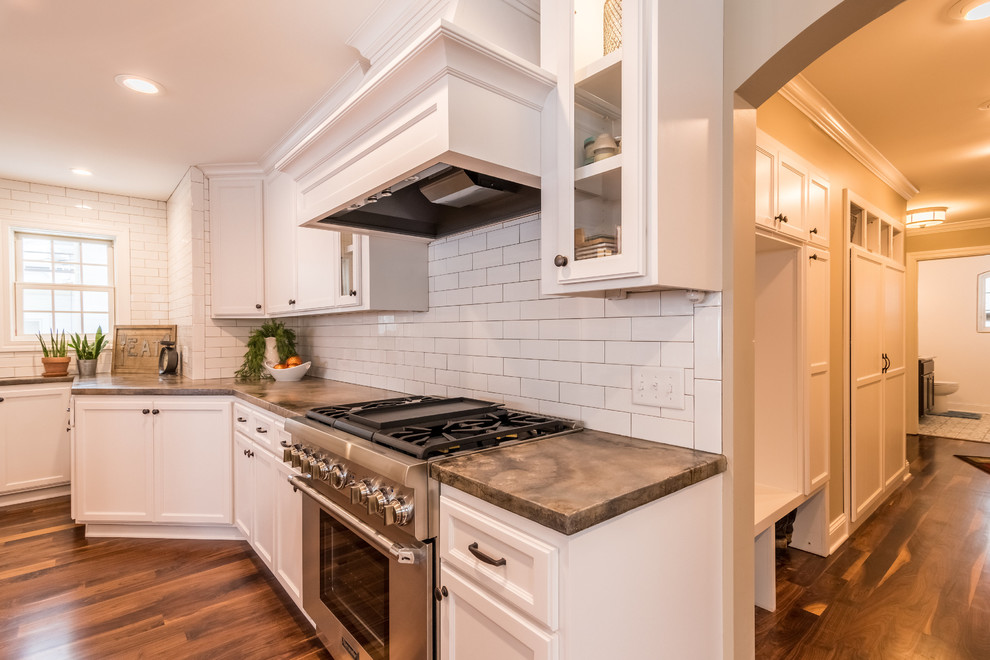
[(955, 427)]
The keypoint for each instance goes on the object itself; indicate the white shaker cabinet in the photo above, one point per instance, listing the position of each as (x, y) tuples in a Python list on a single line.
[(34, 438), (288, 533), (162, 460), (792, 198), (237, 268), (254, 490), (630, 144)]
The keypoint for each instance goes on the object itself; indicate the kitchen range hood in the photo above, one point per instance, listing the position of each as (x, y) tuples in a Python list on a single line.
[(445, 137)]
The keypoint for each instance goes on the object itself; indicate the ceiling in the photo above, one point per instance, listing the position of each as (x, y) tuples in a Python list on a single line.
[(912, 82), (238, 75)]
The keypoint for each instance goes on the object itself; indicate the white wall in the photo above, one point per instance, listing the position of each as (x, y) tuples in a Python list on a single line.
[(143, 220), (490, 334), (947, 299)]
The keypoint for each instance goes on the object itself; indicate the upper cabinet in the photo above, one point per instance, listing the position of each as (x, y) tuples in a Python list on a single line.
[(630, 143), (237, 246), (792, 198), (265, 264)]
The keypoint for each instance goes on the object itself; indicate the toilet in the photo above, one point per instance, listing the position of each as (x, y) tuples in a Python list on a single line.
[(943, 388)]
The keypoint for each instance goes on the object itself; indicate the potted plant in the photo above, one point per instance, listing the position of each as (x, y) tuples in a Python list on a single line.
[(54, 358), (254, 358), (86, 353)]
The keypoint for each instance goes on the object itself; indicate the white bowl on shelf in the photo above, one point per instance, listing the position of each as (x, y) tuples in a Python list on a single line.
[(289, 373)]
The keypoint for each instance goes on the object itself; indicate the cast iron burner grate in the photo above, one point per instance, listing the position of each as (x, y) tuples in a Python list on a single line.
[(327, 414)]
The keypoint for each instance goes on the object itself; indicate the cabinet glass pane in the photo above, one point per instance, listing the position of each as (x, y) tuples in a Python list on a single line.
[(347, 246), (597, 129)]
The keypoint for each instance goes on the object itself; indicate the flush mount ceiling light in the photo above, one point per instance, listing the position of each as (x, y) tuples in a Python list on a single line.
[(81, 171), (970, 10), (138, 84), (927, 217)]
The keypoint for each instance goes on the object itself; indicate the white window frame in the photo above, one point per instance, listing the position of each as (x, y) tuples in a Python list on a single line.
[(121, 305)]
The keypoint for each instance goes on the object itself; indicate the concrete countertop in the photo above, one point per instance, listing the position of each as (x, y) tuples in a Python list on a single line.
[(34, 380), (566, 483)]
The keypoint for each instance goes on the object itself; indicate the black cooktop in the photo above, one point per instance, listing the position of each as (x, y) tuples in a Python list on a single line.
[(428, 426)]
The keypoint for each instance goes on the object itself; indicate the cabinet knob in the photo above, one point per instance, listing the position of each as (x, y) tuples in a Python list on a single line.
[(352, 293), (154, 411), (258, 306), (1, 399), (560, 261), (814, 230), (440, 593), (781, 217), (145, 411), (292, 301), (814, 256)]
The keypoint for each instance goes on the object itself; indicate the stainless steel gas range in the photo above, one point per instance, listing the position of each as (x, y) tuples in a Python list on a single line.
[(369, 520)]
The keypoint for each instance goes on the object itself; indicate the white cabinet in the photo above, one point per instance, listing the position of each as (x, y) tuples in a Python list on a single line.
[(162, 460), (516, 589), (791, 197), (236, 246), (288, 533), (646, 216), (817, 300), (878, 375), (34, 438), (254, 490)]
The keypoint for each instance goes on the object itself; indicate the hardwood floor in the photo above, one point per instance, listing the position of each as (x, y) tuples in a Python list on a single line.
[(65, 596), (912, 582)]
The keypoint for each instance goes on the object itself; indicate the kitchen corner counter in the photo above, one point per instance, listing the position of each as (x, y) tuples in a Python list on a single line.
[(571, 482), (34, 380), (287, 399)]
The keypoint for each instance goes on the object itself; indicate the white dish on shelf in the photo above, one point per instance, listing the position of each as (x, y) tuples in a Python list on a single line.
[(289, 373)]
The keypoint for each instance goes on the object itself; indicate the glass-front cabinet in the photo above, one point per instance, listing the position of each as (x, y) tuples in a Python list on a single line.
[(348, 289), (603, 200)]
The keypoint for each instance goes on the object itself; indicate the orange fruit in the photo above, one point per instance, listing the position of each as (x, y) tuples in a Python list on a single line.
[(293, 361), (279, 366)]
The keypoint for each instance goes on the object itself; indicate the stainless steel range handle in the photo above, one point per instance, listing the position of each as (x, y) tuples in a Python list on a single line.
[(403, 553)]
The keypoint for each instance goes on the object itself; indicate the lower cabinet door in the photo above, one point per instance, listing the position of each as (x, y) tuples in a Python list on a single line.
[(288, 533), (475, 625), (34, 438), (244, 486), (264, 505)]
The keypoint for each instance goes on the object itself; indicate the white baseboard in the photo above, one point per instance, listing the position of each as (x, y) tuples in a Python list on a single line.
[(139, 531), (838, 532), (34, 495)]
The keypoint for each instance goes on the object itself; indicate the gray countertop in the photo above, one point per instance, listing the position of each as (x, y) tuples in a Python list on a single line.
[(566, 483), (33, 380)]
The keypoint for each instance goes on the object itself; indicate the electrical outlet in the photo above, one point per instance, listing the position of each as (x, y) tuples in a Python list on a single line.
[(660, 387)]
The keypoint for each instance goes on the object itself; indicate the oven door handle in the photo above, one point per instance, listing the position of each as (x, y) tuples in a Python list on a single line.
[(405, 554)]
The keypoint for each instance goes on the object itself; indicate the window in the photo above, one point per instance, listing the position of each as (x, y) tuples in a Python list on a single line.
[(983, 302), (62, 282)]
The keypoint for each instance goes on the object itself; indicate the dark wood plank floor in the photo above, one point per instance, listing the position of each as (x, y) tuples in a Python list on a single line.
[(913, 582), (65, 596)]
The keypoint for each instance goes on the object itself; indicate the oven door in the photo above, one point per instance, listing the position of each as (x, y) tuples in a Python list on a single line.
[(369, 596)]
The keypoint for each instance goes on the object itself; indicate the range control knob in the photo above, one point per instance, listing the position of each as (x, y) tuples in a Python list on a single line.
[(377, 502), (338, 477), (287, 451), (311, 465), (360, 490), (398, 512), (296, 455), (323, 469)]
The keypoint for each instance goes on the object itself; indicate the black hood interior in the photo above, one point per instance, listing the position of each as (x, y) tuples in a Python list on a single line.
[(404, 208)]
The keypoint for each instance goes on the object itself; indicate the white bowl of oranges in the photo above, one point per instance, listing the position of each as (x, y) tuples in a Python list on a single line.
[(292, 369)]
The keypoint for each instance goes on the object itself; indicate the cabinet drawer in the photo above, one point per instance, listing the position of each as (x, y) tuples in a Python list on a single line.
[(527, 579), (260, 426)]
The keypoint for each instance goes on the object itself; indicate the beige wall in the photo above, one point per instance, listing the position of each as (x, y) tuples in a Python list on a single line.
[(782, 121)]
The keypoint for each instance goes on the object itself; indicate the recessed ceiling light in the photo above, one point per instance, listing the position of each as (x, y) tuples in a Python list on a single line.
[(984, 106), (138, 84), (970, 10), (81, 172)]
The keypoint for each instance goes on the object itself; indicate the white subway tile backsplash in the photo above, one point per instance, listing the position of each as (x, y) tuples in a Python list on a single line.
[(659, 429), (592, 396), (663, 328), (708, 415), (677, 354), (639, 353), (675, 303), (612, 375), (607, 329), (708, 344), (564, 372)]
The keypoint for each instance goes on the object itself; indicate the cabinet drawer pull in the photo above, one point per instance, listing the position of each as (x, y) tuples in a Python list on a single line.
[(242, 419), (485, 558), (261, 429)]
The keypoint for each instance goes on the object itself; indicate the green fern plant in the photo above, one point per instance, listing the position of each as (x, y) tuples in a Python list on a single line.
[(254, 358), (58, 346)]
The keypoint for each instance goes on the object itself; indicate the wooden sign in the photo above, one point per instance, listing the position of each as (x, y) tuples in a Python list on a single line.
[(136, 347)]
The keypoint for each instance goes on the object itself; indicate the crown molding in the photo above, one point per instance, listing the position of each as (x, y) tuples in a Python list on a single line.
[(813, 104), (230, 169), (948, 227)]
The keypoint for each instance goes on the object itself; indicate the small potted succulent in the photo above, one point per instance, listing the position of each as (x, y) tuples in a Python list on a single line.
[(87, 354), (54, 358)]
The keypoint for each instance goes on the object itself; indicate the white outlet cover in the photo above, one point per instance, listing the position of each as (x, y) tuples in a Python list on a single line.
[(659, 387)]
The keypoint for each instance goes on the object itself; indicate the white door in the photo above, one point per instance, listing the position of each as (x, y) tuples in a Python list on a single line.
[(114, 459), (264, 505), (766, 175), (34, 437), (280, 243), (475, 625), (894, 376), (192, 460), (237, 247), (817, 308), (866, 373), (791, 180)]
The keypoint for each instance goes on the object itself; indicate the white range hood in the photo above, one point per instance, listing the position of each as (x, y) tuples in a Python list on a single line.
[(447, 98)]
